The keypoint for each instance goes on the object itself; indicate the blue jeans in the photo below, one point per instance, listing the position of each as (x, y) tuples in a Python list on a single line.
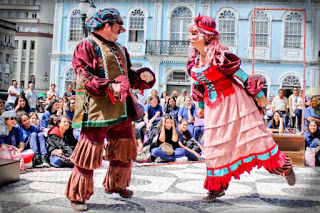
[(198, 131), (191, 156), (178, 153), (299, 117), (37, 143), (190, 128), (283, 115), (55, 162)]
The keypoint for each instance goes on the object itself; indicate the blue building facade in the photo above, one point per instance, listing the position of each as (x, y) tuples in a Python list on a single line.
[(157, 32)]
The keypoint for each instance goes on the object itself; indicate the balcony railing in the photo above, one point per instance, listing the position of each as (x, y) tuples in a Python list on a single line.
[(163, 47)]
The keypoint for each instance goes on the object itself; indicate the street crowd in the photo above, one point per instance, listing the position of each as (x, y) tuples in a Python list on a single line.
[(50, 140)]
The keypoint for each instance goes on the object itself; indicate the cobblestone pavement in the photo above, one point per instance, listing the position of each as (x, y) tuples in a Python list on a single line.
[(168, 188)]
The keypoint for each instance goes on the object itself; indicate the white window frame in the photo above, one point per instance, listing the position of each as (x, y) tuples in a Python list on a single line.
[(286, 20), (144, 22), (257, 21), (74, 13), (182, 20), (219, 18), (260, 52)]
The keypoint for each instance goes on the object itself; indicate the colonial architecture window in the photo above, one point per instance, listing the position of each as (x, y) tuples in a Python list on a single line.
[(291, 81), (180, 18), (262, 29), (75, 26), (69, 78), (227, 26), (293, 29), (136, 28)]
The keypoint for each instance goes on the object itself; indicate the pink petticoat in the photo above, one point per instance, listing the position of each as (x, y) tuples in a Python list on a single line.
[(236, 140)]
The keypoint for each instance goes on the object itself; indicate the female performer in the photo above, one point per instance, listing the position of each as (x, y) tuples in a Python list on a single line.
[(235, 137)]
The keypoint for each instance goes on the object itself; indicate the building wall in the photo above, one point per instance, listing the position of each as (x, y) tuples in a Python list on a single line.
[(274, 63), (7, 34), (34, 20)]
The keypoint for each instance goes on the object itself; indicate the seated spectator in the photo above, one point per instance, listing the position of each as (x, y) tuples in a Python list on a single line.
[(163, 96), (21, 105), (198, 124), (276, 124), (168, 133), (186, 112), (11, 140), (61, 143), (34, 119), (172, 109), (33, 138), (69, 110), (312, 137), (153, 112), (51, 109), (185, 139), (311, 113), (2, 106)]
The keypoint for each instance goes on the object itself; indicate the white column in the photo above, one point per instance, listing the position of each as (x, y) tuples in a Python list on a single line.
[(314, 76)]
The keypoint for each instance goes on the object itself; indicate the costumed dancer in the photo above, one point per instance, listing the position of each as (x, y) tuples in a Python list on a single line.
[(235, 137), (104, 109)]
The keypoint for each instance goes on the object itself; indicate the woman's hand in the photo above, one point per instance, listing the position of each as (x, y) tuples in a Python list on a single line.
[(262, 102), (57, 152), (146, 76)]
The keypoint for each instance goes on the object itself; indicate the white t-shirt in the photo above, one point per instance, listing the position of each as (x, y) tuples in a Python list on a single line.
[(12, 98)]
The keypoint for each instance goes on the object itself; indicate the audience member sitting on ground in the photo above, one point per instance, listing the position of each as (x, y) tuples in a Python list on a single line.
[(276, 124), (2, 106), (52, 108), (11, 140), (34, 139), (21, 105), (172, 109), (34, 119), (188, 143), (61, 143), (198, 124), (312, 137), (168, 134), (310, 113), (153, 112), (71, 105), (186, 112)]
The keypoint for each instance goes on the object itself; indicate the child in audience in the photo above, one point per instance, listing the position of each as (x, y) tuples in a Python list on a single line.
[(193, 153), (11, 140), (61, 142), (34, 119), (276, 124), (312, 137), (34, 139)]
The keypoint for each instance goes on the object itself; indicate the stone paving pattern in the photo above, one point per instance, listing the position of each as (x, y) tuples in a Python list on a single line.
[(168, 188)]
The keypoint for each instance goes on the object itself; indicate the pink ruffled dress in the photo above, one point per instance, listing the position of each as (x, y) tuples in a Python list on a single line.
[(235, 137)]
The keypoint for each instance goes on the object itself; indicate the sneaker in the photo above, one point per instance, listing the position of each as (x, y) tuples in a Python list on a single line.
[(45, 161), (79, 206), (182, 159), (37, 162), (158, 160)]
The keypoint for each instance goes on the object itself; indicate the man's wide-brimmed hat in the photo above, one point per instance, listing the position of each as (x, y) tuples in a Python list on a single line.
[(206, 25)]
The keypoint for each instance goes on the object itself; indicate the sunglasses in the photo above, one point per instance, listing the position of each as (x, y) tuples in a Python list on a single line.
[(12, 118)]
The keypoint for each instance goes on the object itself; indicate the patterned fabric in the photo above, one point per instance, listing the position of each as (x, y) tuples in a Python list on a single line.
[(100, 18)]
